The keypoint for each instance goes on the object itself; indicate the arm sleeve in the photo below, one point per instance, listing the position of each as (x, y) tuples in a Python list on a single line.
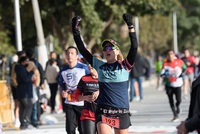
[(62, 88), (86, 54), (81, 85), (77, 93), (80, 88), (133, 50), (184, 67), (61, 83), (162, 72), (193, 123)]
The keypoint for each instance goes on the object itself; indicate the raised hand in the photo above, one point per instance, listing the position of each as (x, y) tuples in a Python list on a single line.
[(75, 21), (128, 19)]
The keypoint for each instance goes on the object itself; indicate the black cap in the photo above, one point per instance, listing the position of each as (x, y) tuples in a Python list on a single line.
[(19, 53)]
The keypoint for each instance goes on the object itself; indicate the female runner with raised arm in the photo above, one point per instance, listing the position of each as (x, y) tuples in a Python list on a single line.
[(113, 76)]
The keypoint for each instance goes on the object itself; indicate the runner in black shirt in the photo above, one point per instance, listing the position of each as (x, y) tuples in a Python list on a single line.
[(88, 91)]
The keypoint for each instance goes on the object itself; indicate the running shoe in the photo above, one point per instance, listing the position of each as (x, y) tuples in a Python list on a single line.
[(53, 112), (137, 98), (22, 127), (30, 127), (185, 97), (17, 123), (175, 119)]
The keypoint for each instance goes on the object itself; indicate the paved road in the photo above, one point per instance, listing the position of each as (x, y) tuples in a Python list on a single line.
[(153, 115)]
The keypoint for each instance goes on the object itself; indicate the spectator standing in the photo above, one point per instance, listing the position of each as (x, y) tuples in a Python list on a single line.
[(14, 89), (193, 121), (14, 83), (24, 92), (51, 56), (172, 72), (69, 77), (30, 54), (52, 73), (137, 75), (16, 102), (58, 60), (189, 61)]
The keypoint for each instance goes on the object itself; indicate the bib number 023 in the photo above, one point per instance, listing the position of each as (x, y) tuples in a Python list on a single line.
[(114, 122)]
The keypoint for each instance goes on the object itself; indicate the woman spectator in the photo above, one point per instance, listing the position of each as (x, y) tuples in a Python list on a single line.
[(52, 73)]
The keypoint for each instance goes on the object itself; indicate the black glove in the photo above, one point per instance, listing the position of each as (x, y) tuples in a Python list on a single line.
[(75, 21), (128, 19)]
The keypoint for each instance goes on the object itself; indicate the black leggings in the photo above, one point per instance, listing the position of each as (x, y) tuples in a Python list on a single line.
[(177, 91), (25, 111), (88, 127), (73, 114), (53, 89)]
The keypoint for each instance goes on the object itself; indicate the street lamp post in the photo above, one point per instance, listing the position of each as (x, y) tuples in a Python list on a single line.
[(175, 32), (17, 26), (137, 28)]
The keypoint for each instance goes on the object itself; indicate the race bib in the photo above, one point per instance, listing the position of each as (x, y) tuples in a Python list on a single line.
[(111, 121), (71, 96), (172, 79)]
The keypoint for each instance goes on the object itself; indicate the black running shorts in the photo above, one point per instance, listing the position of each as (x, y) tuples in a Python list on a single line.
[(118, 121)]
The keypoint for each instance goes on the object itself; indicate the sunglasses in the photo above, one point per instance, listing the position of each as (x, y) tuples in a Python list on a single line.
[(109, 48)]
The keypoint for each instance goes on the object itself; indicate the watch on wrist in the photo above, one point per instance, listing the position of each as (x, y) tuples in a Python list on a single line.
[(130, 27)]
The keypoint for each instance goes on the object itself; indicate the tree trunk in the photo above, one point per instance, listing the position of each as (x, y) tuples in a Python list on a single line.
[(58, 31), (91, 43), (107, 32), (62, 37)]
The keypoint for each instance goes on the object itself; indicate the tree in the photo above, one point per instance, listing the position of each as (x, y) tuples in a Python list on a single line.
[(188, 19), (155, 33), (97, 17), (6, 47)]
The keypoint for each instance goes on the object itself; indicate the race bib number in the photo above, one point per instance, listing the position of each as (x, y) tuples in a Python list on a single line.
[(71, 96), (172, 79), (111, 121)]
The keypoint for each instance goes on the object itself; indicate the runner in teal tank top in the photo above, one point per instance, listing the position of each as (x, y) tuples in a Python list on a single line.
[(113, 77)]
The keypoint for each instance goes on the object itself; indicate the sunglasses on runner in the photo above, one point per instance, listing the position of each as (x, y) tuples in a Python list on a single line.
[(109, 48)]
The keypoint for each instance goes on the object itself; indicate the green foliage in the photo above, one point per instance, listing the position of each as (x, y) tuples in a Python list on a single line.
[(92, 22), (155, 33), (98, 15), (188, 19), (5, 45)]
